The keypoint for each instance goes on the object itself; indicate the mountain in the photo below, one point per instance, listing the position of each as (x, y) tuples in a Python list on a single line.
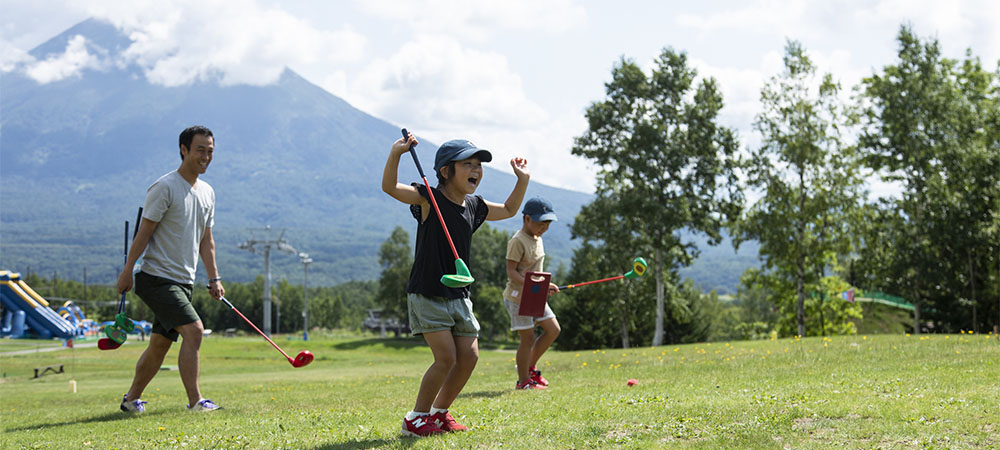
[(76, 156)]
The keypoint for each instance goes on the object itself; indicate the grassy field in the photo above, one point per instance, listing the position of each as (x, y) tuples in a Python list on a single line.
[(881, 391)]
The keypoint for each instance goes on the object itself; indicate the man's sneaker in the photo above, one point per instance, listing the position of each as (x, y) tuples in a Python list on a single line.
[(204, 405), (536, 375), (134, 406), (447, 423), (528, 384), (420, 426)]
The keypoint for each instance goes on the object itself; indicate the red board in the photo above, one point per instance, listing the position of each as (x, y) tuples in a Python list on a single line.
[(534, 294)]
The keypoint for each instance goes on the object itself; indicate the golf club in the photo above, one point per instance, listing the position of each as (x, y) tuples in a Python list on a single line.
[(462, 277), (638, 269), (117, 333), (303, 358)]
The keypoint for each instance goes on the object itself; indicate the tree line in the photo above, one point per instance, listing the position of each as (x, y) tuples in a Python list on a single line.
[(926, 124), (343, 306)]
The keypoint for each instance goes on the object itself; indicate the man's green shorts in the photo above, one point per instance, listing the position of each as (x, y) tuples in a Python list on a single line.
[(431, 314), (170, 302)]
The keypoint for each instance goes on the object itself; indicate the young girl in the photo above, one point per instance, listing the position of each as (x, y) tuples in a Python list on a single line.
[(443, 315)]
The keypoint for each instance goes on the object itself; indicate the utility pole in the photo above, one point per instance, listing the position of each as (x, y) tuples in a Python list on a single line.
[(306, 260), (261, 240)]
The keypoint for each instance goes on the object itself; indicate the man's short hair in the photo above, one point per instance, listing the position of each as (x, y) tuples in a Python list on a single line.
[(188, 135)]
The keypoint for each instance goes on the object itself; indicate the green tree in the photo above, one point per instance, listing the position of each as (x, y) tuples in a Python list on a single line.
[(488, 256), (665, 164), (607, 249), (930, 127), (598, 315), (971, 203), (395, 257), (809, 179), (758, 315)]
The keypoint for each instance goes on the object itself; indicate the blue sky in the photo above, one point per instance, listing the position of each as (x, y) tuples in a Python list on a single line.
[(514, 76)]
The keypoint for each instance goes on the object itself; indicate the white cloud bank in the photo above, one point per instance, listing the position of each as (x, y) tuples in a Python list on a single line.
[(179, 42), (450, 68)]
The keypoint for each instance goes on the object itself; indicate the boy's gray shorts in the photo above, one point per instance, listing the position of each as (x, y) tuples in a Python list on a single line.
[(519, 322), (430, 314)]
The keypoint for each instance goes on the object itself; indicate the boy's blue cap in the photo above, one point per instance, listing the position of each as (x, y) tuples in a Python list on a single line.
[(457, 150), (539, 209)]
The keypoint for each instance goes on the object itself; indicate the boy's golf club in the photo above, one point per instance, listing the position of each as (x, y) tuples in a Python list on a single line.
[(638, 269), (462, 277), (117, 333), (303, 358)]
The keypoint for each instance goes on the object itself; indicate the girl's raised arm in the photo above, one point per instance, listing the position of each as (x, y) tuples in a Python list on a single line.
[(402, 192)]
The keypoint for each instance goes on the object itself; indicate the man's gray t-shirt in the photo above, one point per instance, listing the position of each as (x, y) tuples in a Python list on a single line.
[(183, 212)]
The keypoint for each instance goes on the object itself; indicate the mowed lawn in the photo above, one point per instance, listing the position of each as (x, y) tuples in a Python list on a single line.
[(880, 391)]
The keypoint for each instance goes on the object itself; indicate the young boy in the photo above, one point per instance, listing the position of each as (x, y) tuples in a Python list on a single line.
[(443, 315), (525, 253)]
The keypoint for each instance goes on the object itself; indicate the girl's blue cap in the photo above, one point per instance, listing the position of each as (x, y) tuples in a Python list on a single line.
[(457, 150)]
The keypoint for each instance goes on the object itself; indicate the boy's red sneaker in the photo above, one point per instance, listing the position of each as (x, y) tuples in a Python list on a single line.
[(420, 426), (447, 423), (528, 384), (536, 375)]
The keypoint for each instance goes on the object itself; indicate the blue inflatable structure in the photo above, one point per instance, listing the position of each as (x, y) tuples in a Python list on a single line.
[(25, 310)]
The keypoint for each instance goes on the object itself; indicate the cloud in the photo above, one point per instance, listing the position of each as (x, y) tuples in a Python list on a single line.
[(68, 64), (443, 90), (439, 85), (759, 16), (740, 87), (957, 25), (12, 57), (444, 86), (479, 20), (232, 42), (547, 148)]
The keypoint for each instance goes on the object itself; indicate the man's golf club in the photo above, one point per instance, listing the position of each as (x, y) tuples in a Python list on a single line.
[(117, 333), (462, 277), (303, 358), (638, 269)]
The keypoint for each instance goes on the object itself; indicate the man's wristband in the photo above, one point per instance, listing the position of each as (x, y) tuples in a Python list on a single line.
[(213, 280)]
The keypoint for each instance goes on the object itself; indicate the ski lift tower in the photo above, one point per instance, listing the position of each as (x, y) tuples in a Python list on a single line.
[(261, 241), (306, 260)]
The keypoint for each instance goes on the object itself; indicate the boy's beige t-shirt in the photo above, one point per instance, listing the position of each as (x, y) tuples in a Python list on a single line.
[(529, 253)]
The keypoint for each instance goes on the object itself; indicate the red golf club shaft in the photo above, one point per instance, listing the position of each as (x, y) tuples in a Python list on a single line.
[(569, 286), (230, 305), (430, 194)]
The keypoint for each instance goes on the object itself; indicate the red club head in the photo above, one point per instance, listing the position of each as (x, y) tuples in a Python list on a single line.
[(107, 344), (302, 359)]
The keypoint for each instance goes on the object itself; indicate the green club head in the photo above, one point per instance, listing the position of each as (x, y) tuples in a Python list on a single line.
[(123, 322), (115, 334), (461, 278), (638, 268)]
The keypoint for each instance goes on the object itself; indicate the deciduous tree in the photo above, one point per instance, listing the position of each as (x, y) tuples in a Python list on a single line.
[(666, 165)]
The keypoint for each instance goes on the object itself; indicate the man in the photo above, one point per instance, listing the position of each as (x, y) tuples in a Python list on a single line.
[(176, 227)]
